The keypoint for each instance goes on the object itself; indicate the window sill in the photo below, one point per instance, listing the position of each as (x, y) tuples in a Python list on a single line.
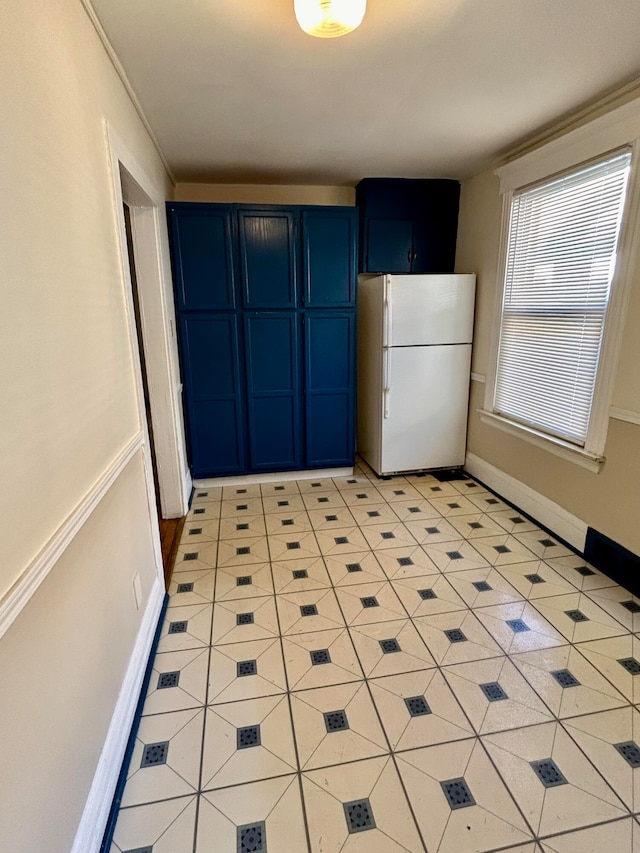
[(563, 449)]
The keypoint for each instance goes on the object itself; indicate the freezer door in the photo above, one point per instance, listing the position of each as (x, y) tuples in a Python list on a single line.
[(426, 413), (430, 309)]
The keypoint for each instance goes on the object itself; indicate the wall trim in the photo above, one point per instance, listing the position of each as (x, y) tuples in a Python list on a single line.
[(478, 377), (627, 415), (551, 515), (98, 805), (18, 596), (270, 477)]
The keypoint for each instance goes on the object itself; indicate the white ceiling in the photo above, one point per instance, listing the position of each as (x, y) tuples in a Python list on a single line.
[(236, 92)]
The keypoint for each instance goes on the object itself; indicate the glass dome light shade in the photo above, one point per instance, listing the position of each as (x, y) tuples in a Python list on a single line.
[(329, 18)]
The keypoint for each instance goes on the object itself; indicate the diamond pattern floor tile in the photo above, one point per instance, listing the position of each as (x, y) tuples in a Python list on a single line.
[(296, 616), (178, 681), (387, 648), (320, 659), (230, 681), (163, 827), (623, 836)]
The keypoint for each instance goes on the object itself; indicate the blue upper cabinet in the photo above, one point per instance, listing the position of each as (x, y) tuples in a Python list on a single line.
[(268, 262), (389, 245), (202, 254), (273, 390), (213, 394), (329, 264), (330, 385)]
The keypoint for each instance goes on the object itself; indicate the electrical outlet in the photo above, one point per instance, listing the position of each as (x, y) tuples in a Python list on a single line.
[(137, 590)]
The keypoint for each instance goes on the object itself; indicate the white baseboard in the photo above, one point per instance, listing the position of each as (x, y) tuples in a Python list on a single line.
[(96, 811), (627, 415), (557, 519), (251, 479)]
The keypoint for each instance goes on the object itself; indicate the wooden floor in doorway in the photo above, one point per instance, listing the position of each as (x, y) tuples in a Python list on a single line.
[(170, 533)]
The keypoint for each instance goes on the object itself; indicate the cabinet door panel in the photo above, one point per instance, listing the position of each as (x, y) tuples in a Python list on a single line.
[(389, 245), (273, 390), (210, 361), (267, 259), (330, 387), (202, 257), (434, 247), (329, 257)]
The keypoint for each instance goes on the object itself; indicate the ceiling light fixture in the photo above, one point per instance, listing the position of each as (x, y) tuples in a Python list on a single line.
[(329, 18)]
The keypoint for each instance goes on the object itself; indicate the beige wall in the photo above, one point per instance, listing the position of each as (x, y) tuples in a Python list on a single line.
[(69, 407), (608, 501), (265, 194)]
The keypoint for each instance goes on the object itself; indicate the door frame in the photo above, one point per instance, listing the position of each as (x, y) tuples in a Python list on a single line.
[(146, 202)]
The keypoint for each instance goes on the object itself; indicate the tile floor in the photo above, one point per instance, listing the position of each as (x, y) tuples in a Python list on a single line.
[(385, 665)]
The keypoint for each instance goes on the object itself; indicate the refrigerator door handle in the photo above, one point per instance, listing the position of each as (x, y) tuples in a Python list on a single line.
[(386, 378), (386, 332)]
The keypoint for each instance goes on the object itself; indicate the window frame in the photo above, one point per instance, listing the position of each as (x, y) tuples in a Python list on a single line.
[(593, 141)]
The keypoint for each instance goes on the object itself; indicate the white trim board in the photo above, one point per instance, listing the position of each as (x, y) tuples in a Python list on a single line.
[(96, 811), (627, 415), (557, 519), (252, 479), (17, 597)]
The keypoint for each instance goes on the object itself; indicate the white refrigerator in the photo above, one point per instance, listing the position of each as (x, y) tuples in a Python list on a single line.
[(414, 363)]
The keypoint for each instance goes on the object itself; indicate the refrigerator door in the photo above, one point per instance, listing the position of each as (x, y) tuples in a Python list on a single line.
[(425, 422), (429, 309)]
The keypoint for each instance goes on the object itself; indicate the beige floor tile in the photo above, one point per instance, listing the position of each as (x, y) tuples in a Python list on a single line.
[(204, 511), (195, 587), (212, 494), (513, 522), (483, 587), (456, 637), (579, 573), (489, 820), (300, 575), (288, 522), (368, 496), (620, 604), (467, 487), (320, 659), (243, 582), (607, 655), (173, 743), (415, 510), (455, 555), (186, 627), (344, 540), (549, 670), (227, 818), (579, 618), (178, 681), (398, 492), (241, 493), (427, 595), (435, 489), (283, 503), (476, 525), (312, 610), (293, 546), (239, 621), (164, 827), (332, 794), (241, 508), (388, 535), (581, 799), (334, 725), (535, 580), (249, 527), (263, 724), (199, 531), (542, 544), (495, 696), (406, 562), (316, 486), (370, 602), (427, 531), (354, 481), (355, 568), (452, 505), (191, 558), (248, 670), (388, 648), (623, 836), (243, 552), (330, 519), (370, 514), (607, 738), (519, 627), (284, 487), (324, 500), (488, 502), (503, 550), (418, 709)]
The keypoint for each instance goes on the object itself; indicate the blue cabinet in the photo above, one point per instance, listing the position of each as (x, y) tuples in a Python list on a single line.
[(203, 268), (266, 301)]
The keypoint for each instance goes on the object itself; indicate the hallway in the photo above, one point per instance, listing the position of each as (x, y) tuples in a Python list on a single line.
[(384, 665)]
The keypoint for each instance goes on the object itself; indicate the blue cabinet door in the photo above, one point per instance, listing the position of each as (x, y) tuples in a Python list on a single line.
[(329, 256), (389, 245), (273, 390), (330, 387), (211, 360), (268, 262), (203, 267)]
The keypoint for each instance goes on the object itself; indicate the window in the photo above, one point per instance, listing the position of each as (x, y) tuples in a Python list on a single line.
[(560, 258)]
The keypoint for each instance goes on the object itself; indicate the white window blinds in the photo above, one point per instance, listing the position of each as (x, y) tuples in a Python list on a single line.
[(561, 255)]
